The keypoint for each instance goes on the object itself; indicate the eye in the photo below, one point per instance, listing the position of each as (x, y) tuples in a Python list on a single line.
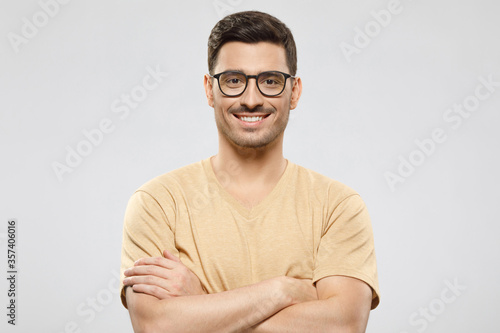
[(270, 82), (271, 79), (233, 81)]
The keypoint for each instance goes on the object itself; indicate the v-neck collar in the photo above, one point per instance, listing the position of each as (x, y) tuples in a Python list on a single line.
[(235, 203)]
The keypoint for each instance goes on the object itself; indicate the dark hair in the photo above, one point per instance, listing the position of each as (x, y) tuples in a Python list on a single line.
[(251, 27)]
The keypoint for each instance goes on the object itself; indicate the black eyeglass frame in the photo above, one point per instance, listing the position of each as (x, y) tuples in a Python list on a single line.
[(256, 77)]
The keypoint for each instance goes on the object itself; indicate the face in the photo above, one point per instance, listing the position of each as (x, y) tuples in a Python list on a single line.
[(252, 120)]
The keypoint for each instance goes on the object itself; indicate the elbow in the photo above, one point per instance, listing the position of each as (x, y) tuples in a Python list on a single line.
[(150, 329), (354, 328), (353, 325), (147, 314), (357, 328), (353, 322), (150, 325), (150, 320)]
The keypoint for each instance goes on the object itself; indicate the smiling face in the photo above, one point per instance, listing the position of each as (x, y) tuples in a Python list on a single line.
[(252, 120)]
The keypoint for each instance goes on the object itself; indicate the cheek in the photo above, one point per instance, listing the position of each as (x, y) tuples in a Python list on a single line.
[(222, 105), (221, 112), (284, 105)]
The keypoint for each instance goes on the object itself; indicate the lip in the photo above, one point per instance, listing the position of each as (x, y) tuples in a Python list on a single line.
[(253, 123)]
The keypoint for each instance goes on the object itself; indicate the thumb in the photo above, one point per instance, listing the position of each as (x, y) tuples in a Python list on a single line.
[(170, 256)]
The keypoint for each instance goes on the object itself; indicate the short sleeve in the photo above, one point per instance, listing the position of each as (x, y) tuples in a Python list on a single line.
[(146, 232), (347, 247)]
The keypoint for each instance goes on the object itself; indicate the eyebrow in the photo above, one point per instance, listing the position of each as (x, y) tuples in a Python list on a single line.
[(234, 70), (242, 71)]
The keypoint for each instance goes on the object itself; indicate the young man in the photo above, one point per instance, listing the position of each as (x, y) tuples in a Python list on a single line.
[(247, 241)]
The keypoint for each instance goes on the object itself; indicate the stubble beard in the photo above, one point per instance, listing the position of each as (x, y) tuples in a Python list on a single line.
[(251, 139)]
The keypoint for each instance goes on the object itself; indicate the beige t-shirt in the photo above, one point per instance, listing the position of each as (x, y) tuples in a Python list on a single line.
[(309, 226)]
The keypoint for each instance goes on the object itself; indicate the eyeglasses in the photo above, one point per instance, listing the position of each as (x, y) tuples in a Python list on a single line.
[(234, 83)]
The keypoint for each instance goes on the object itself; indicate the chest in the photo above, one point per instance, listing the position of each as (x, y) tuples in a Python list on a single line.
[(228, 250)]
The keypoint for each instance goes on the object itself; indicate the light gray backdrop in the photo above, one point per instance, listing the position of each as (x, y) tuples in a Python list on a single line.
[(401, 102)]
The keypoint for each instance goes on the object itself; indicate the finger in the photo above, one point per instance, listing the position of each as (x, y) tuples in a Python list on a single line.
[(158, 261), (170, 256), (155, 284), (155, 291), (146, 279), (154, 270)]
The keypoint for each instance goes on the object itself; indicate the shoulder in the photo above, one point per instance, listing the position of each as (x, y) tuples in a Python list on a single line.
[(175, 180)]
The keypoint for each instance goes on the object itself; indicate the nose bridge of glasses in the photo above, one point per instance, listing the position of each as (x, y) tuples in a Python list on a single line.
[(251, 89)]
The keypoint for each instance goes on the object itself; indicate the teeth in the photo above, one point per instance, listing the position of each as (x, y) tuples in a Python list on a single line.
[(251, 119)]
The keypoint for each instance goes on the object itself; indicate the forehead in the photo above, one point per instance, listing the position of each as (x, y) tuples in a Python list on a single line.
[(251, 58)]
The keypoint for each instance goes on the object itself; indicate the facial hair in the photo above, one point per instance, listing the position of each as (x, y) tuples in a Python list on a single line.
[(252, 137)]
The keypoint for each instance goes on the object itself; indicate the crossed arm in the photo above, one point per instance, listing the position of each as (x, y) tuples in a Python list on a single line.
[(163, 295)]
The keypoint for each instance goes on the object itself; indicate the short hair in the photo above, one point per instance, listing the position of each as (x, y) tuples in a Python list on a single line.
[(251, 27)]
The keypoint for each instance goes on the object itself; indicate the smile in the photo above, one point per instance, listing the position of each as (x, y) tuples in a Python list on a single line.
[(251, 119)]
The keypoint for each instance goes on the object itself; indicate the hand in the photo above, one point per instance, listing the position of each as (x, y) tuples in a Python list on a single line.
[(163, 277), (298, 290)]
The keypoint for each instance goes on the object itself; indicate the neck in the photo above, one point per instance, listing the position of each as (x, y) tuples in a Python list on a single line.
[(239, 167)]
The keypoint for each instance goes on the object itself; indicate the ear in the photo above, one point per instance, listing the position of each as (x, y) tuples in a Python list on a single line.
[(296, 93), (207, 82)]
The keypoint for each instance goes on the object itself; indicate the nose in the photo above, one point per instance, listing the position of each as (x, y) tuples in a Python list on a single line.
[(252, 97)]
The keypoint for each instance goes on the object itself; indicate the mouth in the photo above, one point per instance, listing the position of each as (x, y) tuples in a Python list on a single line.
[(251, 119)]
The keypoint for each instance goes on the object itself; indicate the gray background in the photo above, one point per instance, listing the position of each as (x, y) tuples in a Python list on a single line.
[(357, 117)]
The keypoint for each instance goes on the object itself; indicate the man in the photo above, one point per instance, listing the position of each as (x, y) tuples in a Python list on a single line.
[(247, 241)]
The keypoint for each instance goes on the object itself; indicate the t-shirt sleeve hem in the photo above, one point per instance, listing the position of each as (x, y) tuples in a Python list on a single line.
[(123, 297), (324, 272)]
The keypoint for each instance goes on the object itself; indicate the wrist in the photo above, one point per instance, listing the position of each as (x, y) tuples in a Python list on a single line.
[(282, 292)]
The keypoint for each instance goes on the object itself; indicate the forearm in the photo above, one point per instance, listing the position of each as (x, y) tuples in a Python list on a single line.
[(304, 317), (230, 311), (314, 316), (327, 315)]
